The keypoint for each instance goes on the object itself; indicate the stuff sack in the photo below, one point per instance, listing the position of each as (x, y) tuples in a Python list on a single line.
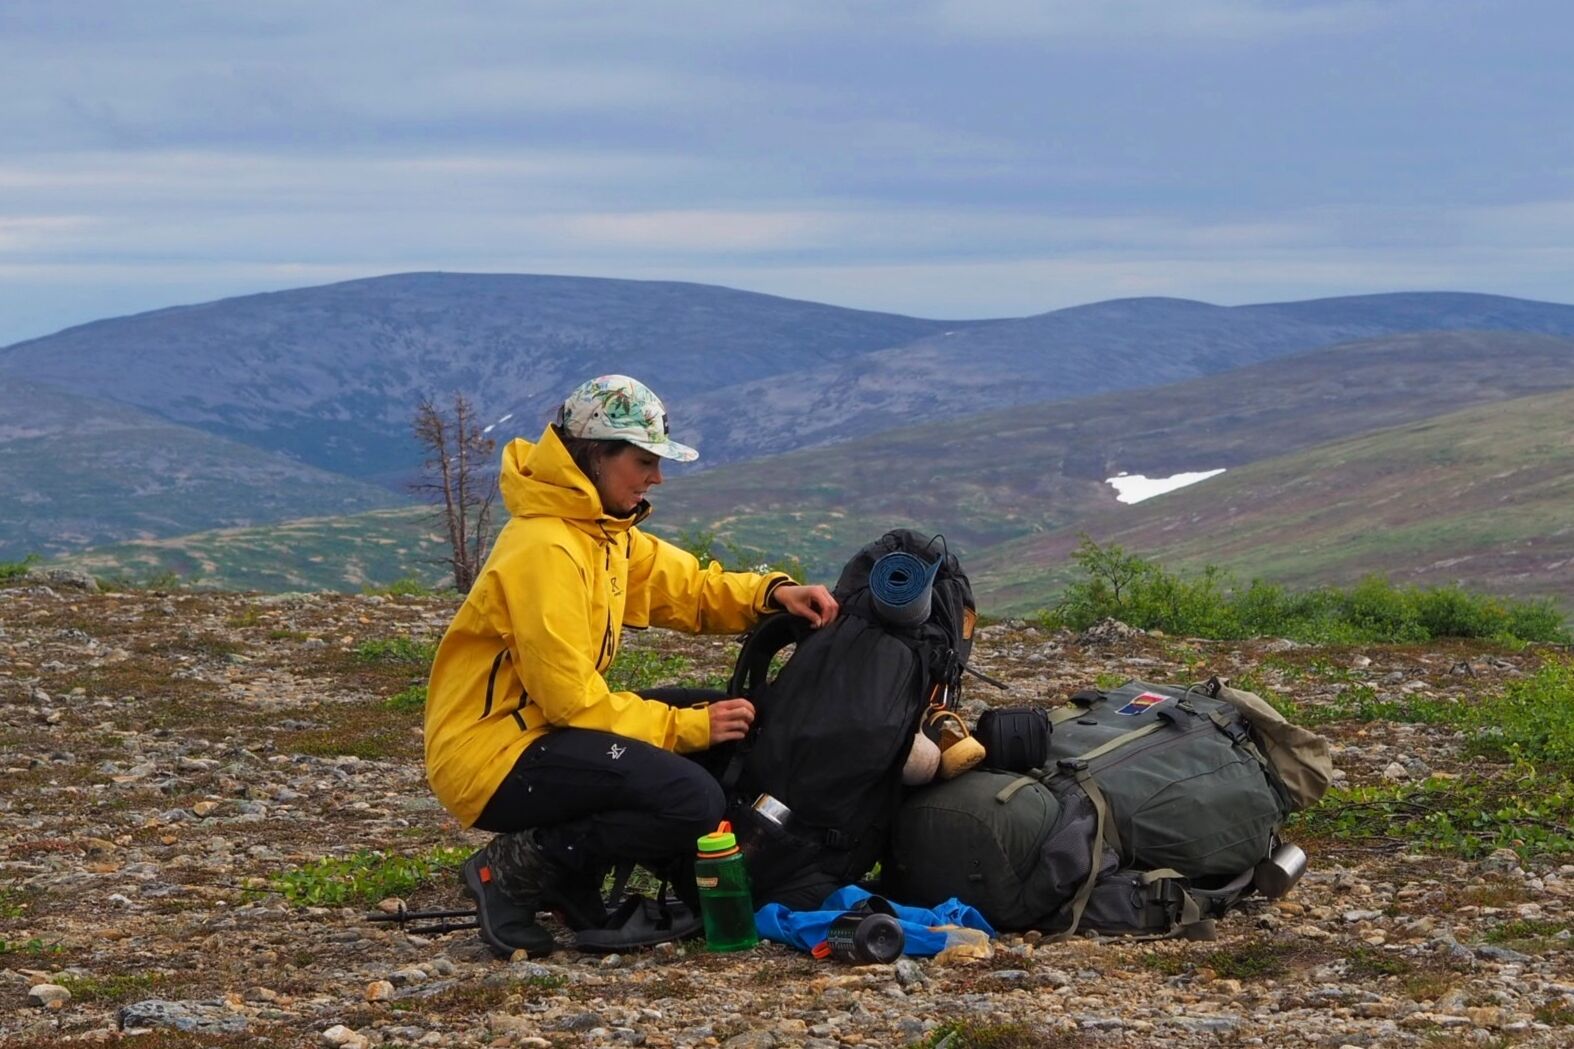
[(1015, 739), (833, 727), (1150, 817)]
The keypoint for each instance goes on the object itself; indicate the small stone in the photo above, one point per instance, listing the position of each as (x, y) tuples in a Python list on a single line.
[(205, 808), (1485, 1015), (343, 1037), (407, 977), (48, 996), (1396, 773), (908, 973), (1502, 860), (379, 991), (612, 961), (752, 1040)]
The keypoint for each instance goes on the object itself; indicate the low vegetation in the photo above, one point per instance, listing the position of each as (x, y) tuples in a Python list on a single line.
[(1518, 796), (1526, 810), (1146, 595), (396, 650), (365, 876), (10, 570), (707, 547)]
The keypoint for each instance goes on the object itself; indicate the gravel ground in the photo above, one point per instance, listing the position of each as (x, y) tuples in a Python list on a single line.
[(167, 755)]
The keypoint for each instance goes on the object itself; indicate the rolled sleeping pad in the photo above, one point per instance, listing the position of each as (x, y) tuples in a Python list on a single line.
[(901, 585)]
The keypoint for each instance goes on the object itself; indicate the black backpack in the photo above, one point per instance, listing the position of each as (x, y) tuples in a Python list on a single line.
[(833, 727)]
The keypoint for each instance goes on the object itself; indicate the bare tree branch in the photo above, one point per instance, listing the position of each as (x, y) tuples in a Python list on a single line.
[(456, 472)]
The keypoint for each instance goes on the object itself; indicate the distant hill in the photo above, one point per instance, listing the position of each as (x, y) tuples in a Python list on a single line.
[(1029, 476), (328, 378), (78, 471), (1008, 473), (1482, 497), (1125, 344), (333, 553), (331, 375)]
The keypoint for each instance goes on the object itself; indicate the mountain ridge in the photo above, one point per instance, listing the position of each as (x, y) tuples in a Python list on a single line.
[(329, 376)]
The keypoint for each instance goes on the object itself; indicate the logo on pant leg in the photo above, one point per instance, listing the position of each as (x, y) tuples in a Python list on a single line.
[(616, 752)]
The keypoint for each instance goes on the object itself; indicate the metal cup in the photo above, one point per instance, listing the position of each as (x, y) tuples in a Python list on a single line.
[(772, 810), (1278, 874)]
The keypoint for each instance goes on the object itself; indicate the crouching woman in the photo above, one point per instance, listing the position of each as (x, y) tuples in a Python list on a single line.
[(524, 738)]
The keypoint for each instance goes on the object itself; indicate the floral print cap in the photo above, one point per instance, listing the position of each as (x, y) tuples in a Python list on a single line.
[(618, 408)]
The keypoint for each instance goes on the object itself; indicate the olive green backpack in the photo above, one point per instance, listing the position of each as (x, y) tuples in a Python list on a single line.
[(1149, 817)]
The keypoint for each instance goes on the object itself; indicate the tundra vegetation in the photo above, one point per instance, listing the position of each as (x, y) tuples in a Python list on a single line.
[(206, 792)]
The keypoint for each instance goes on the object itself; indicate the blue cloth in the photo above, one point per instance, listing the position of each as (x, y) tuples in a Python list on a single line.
[(804, 929)]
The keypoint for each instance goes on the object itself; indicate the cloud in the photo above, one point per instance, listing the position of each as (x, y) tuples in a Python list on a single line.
[(998, 156), (1120, 23)]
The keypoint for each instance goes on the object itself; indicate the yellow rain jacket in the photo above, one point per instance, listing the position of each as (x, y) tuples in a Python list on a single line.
[(527, 650)]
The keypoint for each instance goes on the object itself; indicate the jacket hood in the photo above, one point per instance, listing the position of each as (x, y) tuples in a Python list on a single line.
[(542, 480)]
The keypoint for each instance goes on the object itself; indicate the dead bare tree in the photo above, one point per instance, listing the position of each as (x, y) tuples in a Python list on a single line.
[(458, 478)]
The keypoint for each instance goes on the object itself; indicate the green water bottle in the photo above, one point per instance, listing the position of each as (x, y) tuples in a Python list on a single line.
[(726, 900)]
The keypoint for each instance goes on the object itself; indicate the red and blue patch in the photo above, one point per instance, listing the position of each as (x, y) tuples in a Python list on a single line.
[(1145, 701)]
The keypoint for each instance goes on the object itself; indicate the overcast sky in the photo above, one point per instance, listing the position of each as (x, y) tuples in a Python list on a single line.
[(949, 158)]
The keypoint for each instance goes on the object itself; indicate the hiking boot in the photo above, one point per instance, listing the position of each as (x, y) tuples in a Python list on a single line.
[(505, 880), (578, 901)]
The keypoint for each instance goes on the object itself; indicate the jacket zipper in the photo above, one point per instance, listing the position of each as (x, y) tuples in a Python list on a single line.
[(606, 635)]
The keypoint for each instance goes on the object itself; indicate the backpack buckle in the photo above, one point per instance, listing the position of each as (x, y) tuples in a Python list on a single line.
[(1072, 765), (1231, 727)]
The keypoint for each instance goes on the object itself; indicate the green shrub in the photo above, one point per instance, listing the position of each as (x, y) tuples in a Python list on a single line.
[(637, 669), (10, 570), (364, 877), (407, 700), (1146, 595), (1532, 720), (408, 586), (396, 650), (1526, 810)]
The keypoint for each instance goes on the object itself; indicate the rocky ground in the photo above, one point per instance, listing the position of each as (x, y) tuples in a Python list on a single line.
[(167, 757)]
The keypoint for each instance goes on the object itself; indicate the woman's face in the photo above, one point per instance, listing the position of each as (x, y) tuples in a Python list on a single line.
[(625, 478)]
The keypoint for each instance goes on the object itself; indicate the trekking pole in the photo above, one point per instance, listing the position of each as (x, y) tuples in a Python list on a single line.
[(406, 917)]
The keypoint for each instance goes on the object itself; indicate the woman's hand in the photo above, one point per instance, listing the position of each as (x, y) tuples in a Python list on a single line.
[(730, 719), (813, 603)]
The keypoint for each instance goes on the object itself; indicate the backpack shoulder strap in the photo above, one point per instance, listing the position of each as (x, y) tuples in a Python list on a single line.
[(760, 645)]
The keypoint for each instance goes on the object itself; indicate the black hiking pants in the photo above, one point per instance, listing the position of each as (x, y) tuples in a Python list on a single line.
[(596, 798)]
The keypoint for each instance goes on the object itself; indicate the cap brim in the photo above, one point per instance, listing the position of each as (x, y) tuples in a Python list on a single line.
[(681, 453)]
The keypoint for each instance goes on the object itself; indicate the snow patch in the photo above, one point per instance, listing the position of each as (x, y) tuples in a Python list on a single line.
[(499, 422), (1134, 488)]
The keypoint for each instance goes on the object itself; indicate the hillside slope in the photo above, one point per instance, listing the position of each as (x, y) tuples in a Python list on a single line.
[(981, 481), (78, 471), (1483, 497), (1004, 474)]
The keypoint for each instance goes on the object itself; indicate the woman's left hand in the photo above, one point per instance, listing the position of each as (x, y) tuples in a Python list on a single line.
[(813, 603)]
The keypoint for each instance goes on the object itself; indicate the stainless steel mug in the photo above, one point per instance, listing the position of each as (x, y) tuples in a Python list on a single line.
[(1278, 874)]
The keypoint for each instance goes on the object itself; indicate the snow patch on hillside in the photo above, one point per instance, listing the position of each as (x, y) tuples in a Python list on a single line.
[(1134, 488)]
